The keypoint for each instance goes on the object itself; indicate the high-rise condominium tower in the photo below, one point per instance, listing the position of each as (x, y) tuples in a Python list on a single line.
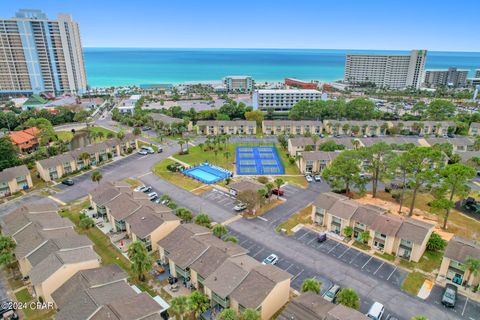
[(40, 55), (385, 70)]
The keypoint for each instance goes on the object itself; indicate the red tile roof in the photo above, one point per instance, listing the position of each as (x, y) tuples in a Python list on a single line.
[(27, 136)]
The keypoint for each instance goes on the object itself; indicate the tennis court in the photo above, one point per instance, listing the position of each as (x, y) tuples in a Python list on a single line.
[(258, 160)]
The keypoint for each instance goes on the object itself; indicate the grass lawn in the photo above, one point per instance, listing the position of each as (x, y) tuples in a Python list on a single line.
[(290, 168), (269, 206), (430, 261), (160, 169), (65, 135), (32, 314), (133, 182), (296, 180), (196, 156), (361, 245), (385, 256), (304, 216), (413, 282), (102, 129), (15, 283)]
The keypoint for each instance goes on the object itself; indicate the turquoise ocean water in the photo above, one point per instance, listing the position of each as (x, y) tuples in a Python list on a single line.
[(134, 66)]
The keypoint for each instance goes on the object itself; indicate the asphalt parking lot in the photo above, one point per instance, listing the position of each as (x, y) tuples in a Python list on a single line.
[(382, 270), (220, 198), (464, 307), (290, 191)]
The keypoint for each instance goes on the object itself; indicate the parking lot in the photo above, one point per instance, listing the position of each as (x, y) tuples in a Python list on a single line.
[(464, 307), (220, 198), (362, 261)]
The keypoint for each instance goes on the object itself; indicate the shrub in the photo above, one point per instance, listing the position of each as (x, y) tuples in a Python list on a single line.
[(348, 231), (262, 179), (436, 242)]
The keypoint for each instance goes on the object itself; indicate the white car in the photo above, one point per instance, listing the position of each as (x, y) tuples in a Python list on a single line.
[(152, 195), (142, 152), (240, 206), (309, 178), (318, 178), (140, 189), (271, 259)]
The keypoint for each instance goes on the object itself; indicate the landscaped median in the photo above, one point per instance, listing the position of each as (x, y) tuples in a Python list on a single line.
[(304, 216), (413, 282)]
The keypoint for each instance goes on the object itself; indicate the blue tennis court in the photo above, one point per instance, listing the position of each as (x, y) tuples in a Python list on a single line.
[(258, 160), (207, 173)]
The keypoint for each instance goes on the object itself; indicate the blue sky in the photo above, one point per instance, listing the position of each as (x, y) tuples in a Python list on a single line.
[(325, 24)]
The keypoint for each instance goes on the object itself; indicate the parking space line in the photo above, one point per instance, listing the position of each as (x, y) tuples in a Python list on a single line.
[(343, 253), (358, 253), (298, 275), (256, 254), (289, 267), (334, 247), (308, 243), (253, 245), (391, 273), (464, 306), (303, 235), (367, 262), (241, 243), (379, 267)]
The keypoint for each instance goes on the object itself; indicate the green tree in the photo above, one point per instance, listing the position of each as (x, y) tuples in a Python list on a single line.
[(454, 178), (377, 156), (473, 266), (85, 157), (231, 239), (8, 155), (227, 314), (203, 220), (96, 176), (436, 242), (250, 198), (344, 172), (400, 165), (184, 214), (180, 306), (198, 303), (121, 135), (86, 222), (278, 183), (419, 318), (439, 110), (136, 131), (365, 236), (348, 231), (250, 314), (7, 250), (349, 298), (311, 285), (360, 109), (219, 230), (141, 261)]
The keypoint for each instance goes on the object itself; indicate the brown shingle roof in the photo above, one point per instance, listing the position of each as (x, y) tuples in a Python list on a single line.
[(307, 306), (122, 206), (14, 172), (414, 230), (386, 224), (367, 214), (344, 209), (145, 220), (319, 155), (460, 249), (326, 200)]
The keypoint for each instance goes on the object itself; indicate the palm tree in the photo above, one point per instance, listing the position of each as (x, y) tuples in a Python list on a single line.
[(180, 306), (314, 140), (279, 182), (215, 152), (198, 303), (121, 135), (226, 154), (7, 250), (187, 140), (473, 266), (356, 143), (269, 187), (100, 135), (349, 298), (250, 314), (219, 230), (141, 260), (227, 314), (85, 156), (96, 176), (181, 143), (136, 131), (311, 285), (345, 128), (201, 146)]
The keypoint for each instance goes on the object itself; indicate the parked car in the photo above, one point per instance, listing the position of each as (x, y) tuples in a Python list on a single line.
[(240, 207), (160, 150), (68, 182), (322, 237), (449, 297), (142, 152), (146, 128), (154, 199), (317, 178), (148, 149), (376, 311), (157, 201), (140, 189), (471, 204), (147, 189), (331, 294), (277, 192), (7, 312), (309, 178), (152, 195), (271, 259)]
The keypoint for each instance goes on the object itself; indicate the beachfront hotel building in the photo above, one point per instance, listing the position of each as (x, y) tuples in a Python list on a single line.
[(282, 100), (40, 55), (386, 70), (477, 73), (240, 84), (451, 77)]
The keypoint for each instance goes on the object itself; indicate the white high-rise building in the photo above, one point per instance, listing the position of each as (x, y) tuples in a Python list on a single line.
[(282, 100), (477, 73), (385, 70), (40, 55), (451, 77)]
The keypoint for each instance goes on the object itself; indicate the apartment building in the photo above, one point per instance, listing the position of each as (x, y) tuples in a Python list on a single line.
[(276, 127), (451, 77), (238, 84), (424, 127), (459, 144), (282, 100), (14, 179), (103, 293), (315, 161), (41, 55), (61, 165), (295, 146), (393, 71), (48, 250), (453, 267), (356, 128), (215, 127), (224, 271), (403, 237), (474, 129), (132, 215), (168, 122), (477, 73), (128, 105), (311, 306), (25, 141)]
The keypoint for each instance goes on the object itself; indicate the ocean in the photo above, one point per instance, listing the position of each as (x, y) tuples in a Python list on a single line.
[(135, 66)]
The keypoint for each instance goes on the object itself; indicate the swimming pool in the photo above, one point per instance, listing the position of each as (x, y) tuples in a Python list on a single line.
[(207, 173)]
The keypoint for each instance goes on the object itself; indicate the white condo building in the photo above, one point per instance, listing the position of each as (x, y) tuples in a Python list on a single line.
[(451, 77), (282, 100), (40, 55), (242, 84), (385, 70), (477, 73)]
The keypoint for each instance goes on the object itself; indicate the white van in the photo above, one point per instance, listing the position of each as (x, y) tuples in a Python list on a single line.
[(376, 311), (148, 149)]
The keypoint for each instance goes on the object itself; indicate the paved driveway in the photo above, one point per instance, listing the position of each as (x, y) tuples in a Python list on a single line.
[(220, 198)]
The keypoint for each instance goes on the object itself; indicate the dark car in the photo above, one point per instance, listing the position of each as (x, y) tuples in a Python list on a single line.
[(146, 128), (160, 150), (68, 182), (449, 295), (7, 312), (277, 192), (322, 236)]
